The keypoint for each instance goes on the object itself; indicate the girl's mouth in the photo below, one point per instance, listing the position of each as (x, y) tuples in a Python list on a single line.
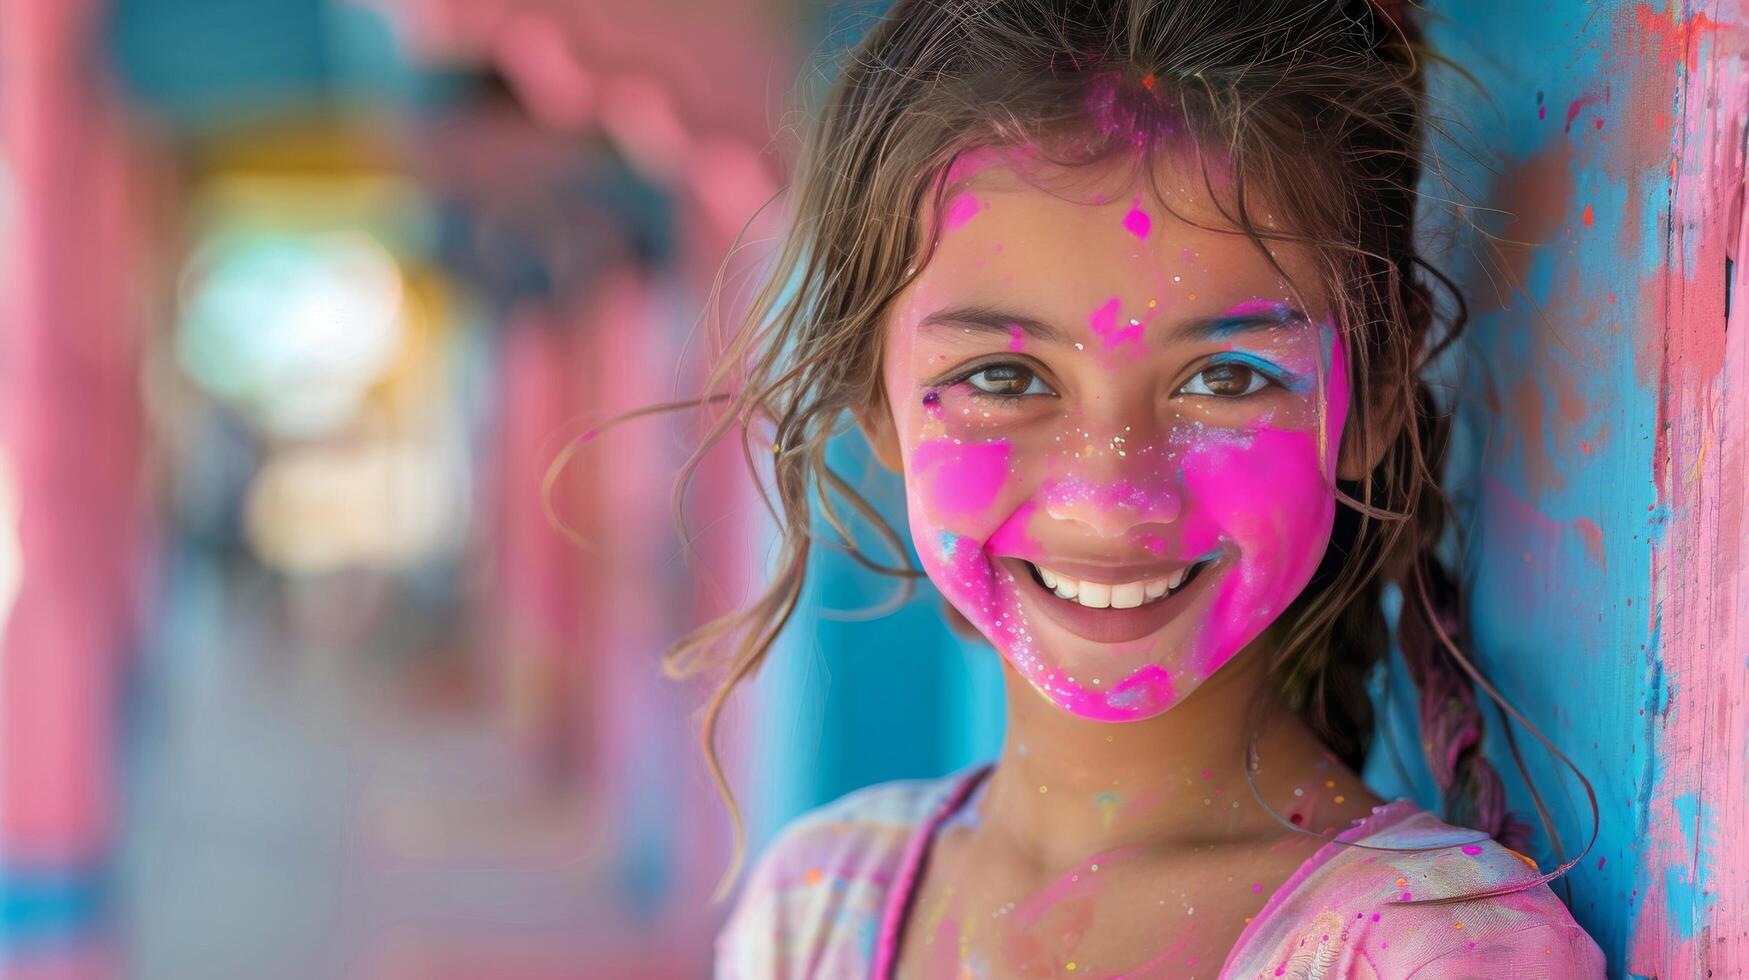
[(1109, 612), (1123, 595)]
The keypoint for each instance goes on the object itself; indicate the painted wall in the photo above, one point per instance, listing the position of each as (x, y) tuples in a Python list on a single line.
[(1596, 155), (1601, 459)]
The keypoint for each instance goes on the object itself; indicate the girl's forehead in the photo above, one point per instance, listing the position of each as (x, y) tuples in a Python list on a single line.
[(1069, 239)]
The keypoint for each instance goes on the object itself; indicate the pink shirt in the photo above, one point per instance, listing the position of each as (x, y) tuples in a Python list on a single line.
[(828, 897)]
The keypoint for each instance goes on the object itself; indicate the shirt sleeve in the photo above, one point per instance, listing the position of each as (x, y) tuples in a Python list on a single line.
[(749, 944), (1548, 951)]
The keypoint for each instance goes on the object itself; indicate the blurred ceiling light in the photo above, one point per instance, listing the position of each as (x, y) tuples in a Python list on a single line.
[(291, 329), (381, 505), (393, 210)]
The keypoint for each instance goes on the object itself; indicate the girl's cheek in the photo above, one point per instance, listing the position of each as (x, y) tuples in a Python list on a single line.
[(1258, 494), (957, 482), (1269, 507), (963, 475), (959, 413)]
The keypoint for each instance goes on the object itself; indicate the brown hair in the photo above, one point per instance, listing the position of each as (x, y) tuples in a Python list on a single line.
[(1317, 105)]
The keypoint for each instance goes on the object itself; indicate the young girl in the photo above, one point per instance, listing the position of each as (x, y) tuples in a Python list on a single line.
[(1128, 293)]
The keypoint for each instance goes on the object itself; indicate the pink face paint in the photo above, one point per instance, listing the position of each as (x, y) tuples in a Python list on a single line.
[(1136, 221), (1104, 324), (1154, 543), (964, 479), (962, 209), (1271, 501), (1016, 338)]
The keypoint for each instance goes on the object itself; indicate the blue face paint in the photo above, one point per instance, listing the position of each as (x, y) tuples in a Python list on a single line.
[(1226, 326), (1275, 372)]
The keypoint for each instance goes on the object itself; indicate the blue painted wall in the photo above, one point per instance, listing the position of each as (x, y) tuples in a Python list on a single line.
[(1552, 467)]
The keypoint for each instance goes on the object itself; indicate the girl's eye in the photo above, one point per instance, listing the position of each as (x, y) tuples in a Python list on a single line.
[(1008, 381), (1227, 379)]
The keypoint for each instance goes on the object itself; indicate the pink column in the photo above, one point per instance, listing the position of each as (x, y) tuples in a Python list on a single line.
[(70, 426), (1694, 869)]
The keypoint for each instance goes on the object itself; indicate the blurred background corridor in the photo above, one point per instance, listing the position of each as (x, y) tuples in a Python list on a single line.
[(304, 300)]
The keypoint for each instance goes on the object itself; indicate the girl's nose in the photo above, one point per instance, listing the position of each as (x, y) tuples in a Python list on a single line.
[(1114, 494)]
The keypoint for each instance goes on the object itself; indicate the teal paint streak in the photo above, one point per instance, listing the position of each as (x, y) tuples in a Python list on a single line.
[(51, 906), (1688, 896)]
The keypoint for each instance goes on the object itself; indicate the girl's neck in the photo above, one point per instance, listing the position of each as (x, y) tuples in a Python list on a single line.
[(1066, 788)]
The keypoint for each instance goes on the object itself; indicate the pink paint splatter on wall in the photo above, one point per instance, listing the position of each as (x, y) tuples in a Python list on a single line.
[(1693, 900)]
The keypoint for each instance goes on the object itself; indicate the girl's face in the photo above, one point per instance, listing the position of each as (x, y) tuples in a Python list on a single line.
[(1118, 431)]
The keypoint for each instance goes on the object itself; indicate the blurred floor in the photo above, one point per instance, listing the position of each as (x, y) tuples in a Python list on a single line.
[(295, 815)]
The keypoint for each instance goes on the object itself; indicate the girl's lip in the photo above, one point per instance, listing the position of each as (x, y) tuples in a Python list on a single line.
[(1104, 625)]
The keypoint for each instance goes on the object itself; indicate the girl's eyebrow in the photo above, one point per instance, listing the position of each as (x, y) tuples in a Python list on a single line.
[(1241, 318), (983, 318)]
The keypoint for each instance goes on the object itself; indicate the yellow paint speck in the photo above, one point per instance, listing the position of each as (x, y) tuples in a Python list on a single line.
[(1457, 925), (1521, 857), (1070, 967), (1329, 784), (1044, 789), (1340, 798)]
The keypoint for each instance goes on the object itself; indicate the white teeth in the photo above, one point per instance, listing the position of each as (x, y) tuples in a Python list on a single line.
[(1095, 595), (1100, 595), (1126, 596)]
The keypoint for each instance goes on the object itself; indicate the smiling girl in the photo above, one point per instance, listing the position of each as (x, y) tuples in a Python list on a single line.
[(1128, 294)]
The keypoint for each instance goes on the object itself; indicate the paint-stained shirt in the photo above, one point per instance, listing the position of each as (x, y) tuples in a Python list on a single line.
[(828, 896)]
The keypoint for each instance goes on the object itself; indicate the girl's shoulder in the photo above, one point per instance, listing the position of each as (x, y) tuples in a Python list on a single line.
[(1343, 914), (813, 903)]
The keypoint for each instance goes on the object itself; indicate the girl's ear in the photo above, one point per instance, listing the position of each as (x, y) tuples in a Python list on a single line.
[(1385, 420), (876, 422)]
